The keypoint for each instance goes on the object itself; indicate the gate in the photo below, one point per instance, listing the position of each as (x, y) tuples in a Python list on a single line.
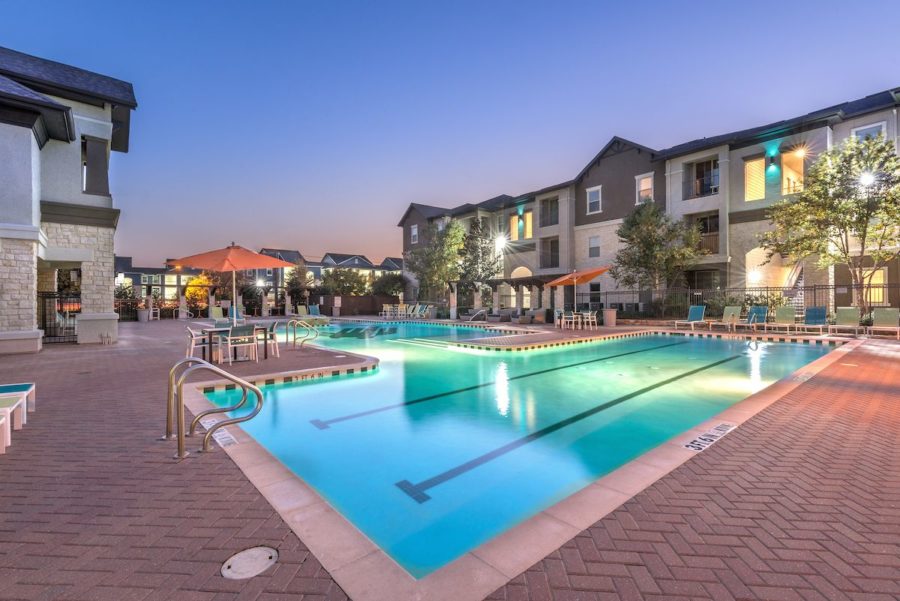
[(56, 314)]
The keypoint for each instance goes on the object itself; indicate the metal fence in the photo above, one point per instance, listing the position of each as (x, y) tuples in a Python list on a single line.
[(675, 301), (127, 309), (56, 316)]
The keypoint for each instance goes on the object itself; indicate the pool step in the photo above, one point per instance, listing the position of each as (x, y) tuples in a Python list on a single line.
[(427, 342)]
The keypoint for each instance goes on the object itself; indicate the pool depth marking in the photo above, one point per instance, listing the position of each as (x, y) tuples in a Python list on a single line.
[(323, 424), (417, 491)]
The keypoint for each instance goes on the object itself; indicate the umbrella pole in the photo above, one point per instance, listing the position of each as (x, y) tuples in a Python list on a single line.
[(233, 298)]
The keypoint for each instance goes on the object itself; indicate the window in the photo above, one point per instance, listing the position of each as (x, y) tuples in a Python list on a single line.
[(869, 131), (755, 179), (875, 287), (249, 273), (549, 253), (171, 280), (269, 271), (156, 279), (145, 279), (594, 246), (528, 219), (94, 166), (594, 200), (643, 188), (703, 178), (791, 172), (549, 212), (705, 279), (513, 227), (441, 224), (414, 234)]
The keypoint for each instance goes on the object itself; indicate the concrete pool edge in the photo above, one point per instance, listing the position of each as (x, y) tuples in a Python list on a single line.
[(365, 572)]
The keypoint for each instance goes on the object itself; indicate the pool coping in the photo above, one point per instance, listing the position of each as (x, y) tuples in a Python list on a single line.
[(367, 573)]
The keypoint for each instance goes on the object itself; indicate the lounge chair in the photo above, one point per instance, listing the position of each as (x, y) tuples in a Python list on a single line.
[(422, 313), (814, 318), (240, 313), (730, 316), (314, 310), (846, 318), (756, 316), (386, 311), (12, 409), (216, 313), (885, 320), (694, 317), (25, 390), (4, 438), (785, 317)]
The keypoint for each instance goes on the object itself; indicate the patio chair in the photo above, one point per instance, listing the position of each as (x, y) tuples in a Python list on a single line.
[(589, 319), (238, 337), (12, 409), (814, 318), (846, 318), (26, 390), (694, 317), (730, 316), (785, 317), (4, 438), (569, 320), (885, 320), (386, 311), (272, 338), (756, 316), (195, 339), (216, 313)]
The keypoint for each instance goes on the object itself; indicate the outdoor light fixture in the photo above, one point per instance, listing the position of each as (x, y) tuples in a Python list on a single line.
[(800, 152), (867, 179), (771, 161), (500, 242), (260, 283)]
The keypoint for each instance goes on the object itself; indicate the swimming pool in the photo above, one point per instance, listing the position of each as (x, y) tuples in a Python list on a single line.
[(439, 450)]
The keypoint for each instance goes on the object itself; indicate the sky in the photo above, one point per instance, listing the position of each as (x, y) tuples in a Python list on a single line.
[(313, 125)]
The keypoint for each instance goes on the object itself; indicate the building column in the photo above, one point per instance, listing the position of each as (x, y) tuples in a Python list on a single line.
[(453, 288), (476, 298), (546, 291), (19, 331), (520, 298), (495, 296), (288, 304), (560, 298), (536, 297)]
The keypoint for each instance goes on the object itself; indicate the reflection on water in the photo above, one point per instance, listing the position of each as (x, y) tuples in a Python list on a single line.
[(362, 332), (501, 386)]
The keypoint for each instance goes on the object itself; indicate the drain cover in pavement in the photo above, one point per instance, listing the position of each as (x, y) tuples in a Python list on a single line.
[(249, 562)]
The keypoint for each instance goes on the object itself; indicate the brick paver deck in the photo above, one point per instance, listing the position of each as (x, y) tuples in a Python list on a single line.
[(801, 502)]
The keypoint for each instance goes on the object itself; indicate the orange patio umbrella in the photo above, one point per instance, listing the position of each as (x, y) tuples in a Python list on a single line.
[(232, 258), (578, 277)]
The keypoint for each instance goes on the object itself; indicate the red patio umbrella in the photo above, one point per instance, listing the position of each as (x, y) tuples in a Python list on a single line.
[(578, 277), (232, 258)]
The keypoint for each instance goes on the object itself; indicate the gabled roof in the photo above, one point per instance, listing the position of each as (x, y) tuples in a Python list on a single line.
[(391, 263), (345, 260), (819, 118), (614, 143), (49, 75), (427, 211), (56, 117), (291, 256)]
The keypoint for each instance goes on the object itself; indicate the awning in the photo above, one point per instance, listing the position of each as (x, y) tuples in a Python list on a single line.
[(579, 277)]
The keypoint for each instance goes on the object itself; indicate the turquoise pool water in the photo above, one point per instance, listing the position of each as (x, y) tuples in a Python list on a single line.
[(438, 451)]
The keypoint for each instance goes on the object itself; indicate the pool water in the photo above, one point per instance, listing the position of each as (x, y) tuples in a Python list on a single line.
[(439, 450)]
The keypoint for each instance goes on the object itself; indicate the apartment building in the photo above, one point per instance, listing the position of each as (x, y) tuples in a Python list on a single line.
[(59, 125), (723, 184), (166, 283)]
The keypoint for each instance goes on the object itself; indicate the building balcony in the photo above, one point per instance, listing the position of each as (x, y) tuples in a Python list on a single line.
[(709, 243)]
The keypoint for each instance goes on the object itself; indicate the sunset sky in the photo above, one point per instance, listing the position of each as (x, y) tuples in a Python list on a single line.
[(311, 125)]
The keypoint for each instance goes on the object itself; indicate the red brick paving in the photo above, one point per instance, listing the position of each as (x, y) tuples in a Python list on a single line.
[(801, 502)]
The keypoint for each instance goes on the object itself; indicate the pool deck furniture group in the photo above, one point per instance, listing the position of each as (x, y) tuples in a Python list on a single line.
[(796, 503), (16, 401)]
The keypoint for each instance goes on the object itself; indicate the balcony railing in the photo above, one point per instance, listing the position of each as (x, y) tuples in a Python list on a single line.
[(704, 186), (709, 243)]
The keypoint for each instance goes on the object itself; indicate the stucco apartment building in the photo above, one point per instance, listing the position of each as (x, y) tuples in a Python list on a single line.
[(724, 184), (58, 126)]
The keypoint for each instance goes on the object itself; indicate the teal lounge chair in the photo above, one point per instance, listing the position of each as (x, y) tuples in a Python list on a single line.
[(314, 310), (883, 320), (694, 317), (814, 318), (730, 317), (846, 318), (25, 390), (756, 316), (785, 318)]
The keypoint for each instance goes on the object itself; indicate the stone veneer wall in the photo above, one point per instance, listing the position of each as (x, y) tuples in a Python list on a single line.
[(46, 280), (18, 285), (97, 275)]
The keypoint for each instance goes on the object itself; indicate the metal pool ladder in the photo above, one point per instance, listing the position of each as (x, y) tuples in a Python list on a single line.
[(311, 332), (175, 403)]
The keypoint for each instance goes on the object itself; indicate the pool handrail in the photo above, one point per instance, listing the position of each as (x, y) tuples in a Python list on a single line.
[(291, 332), (175, 403)]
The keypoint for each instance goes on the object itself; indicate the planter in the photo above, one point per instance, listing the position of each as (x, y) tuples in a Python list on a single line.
[(609, 317), (143, 314)]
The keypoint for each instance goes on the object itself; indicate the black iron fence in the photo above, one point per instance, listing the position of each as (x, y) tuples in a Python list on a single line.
[(127, 309), (675, 302), (56, 316)]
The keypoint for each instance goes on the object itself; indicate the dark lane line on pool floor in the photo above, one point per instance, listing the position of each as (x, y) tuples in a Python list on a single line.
[(417, 491), (323, 424)]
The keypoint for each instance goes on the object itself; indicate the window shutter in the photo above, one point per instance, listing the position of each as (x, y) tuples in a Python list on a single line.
[(755, 179), (96, 179)]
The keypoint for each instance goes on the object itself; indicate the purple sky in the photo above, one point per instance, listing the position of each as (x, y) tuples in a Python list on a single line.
[(311, 125)]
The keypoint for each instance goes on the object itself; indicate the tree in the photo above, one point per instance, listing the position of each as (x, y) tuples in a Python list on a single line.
[(436, 261), (196, 292), (297, 282), (344, 282), (480, 259), (124, 292), (656, 249), (847, 214), (389, 284), (221, 281)]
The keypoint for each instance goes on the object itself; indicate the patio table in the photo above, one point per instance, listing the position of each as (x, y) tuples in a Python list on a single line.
[(211, 332)]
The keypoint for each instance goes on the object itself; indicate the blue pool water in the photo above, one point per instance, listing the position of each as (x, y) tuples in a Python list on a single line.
[(440, 450)]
